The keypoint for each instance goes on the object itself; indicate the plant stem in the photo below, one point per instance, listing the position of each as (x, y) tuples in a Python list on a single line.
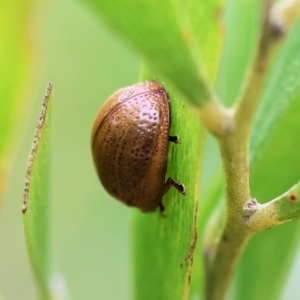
[(285, 208), (235, 234), (272, 32), (234, 144), (216, 118)]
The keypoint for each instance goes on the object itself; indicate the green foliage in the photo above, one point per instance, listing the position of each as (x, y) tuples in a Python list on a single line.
[(181, 43), (273, 154), (36, 205), (268, 180), (282, 89), (166, 33), (164, 246), (14, 66), (242, 20), (274, 151)]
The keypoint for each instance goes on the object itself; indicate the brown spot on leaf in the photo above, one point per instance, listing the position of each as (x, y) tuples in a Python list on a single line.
[(292, 197), (189, 257), (195, 235)]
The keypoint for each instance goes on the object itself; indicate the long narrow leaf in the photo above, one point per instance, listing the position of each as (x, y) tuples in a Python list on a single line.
[(242, 23), (283, 83), (164, 246), (171, 35), (36, 202)]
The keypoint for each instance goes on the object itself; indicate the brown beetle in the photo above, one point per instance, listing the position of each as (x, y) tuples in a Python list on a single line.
[(130, 138)]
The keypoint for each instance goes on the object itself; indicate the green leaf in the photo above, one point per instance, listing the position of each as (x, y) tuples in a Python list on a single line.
[(171, 35), (164, 246), (282, 85), (36, 203), (15, 59), (242, 24)]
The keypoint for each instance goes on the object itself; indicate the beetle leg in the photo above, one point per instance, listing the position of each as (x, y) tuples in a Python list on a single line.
[(177, 185), (174, 139), (169, 183), (162, 209)]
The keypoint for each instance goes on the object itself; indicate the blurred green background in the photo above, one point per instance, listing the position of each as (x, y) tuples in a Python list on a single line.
[(91, 232), (86, 62)]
